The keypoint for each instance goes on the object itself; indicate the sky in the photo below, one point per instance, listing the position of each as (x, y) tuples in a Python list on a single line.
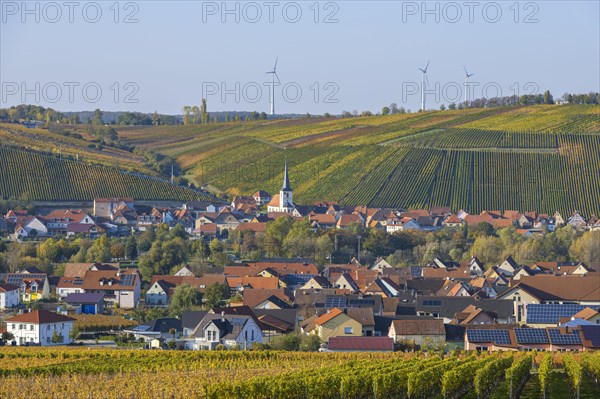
[(333, 56)]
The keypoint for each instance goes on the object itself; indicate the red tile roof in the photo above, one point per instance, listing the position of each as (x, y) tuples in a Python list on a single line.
[(361, 343), (40, 317)]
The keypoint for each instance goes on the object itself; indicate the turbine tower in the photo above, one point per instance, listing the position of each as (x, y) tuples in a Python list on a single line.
[(423, 80), (274, 75), (467, 76)]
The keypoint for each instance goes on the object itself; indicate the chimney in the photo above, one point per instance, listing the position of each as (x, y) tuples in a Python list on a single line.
[(223, 316)]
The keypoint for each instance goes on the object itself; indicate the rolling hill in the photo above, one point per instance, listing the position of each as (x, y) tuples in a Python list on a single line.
[(542, 158), (36, 164)]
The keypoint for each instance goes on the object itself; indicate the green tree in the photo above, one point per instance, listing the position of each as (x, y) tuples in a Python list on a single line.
[(97, 118), (57, 338), (310, 343), (7, 336), (184, 298), (49, 250), (99, 251), (215, 293), (586, 248), (74, 334), (385, 111), (131, 248), (488, 249)]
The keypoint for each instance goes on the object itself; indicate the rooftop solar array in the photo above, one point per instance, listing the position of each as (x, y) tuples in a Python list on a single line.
[(551, 313), (127, 279), (297, 279), (495, 336), (557, 338), (357, 303), (416, 271), (336, 302), (531, 335), (17, 278)]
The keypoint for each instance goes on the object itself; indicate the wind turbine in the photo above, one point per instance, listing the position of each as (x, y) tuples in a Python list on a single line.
[(423, 80), (274, 74), (467, 76)]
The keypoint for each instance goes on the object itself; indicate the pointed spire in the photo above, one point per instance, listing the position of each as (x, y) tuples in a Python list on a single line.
[(286, 181)]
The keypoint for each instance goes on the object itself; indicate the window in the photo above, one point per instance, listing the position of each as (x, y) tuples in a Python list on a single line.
[(31, 327), (13, 327), (348, 330)]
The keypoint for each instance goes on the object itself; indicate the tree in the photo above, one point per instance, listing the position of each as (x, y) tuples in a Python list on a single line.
[(97, 119), (117, 250), (186, 114), (99, 251), (215, 246), (204, 112), (287, 342), (385, 111), (548, 99), (310, 343), (393, 108), (184, 297), (215, 293), (452, 106), (155, 119), (442, 107), (131, 248), (57, 338), (7, 336), (488, 249), (74, 334), (586, 248)]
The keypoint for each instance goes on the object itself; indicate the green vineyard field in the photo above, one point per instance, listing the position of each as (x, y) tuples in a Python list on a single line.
[(134, 374), (47, 178), (543, 158)]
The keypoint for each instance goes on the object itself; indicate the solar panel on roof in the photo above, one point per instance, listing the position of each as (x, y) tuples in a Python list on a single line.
[(127, 279), (531, 335), (564, 339), (551, 313), (335, 302), (355, 303), (297, 279), (496, 336)]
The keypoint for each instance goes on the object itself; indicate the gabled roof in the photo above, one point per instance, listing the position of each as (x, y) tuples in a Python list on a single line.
[(328, 316), (570, 288), (87, 297), (8, 287), (40, 317), (253, 297)]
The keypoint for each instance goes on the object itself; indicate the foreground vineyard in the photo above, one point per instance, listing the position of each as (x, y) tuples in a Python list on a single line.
[(86, 373), (40, 177), (543, 158)]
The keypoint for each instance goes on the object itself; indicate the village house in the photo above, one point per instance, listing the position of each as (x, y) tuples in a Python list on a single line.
[(120, 288), (229, 330), (336, 323), (418, 331), (9, 296), (33, 286), (40, 327)]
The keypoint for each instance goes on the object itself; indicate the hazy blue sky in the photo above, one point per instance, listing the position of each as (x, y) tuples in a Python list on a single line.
[(365, 57)]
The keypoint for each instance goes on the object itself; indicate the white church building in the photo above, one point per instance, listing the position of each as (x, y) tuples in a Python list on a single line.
[(283, 202)]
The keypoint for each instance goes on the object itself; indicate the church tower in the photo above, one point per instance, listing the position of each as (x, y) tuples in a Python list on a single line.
[(286, 203)]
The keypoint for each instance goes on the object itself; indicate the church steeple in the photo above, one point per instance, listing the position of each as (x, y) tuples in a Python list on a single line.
[(286, 180)]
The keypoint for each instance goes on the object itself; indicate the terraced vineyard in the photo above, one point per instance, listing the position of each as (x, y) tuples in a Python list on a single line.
[(70, 372), (41, 177), (543, 158)]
